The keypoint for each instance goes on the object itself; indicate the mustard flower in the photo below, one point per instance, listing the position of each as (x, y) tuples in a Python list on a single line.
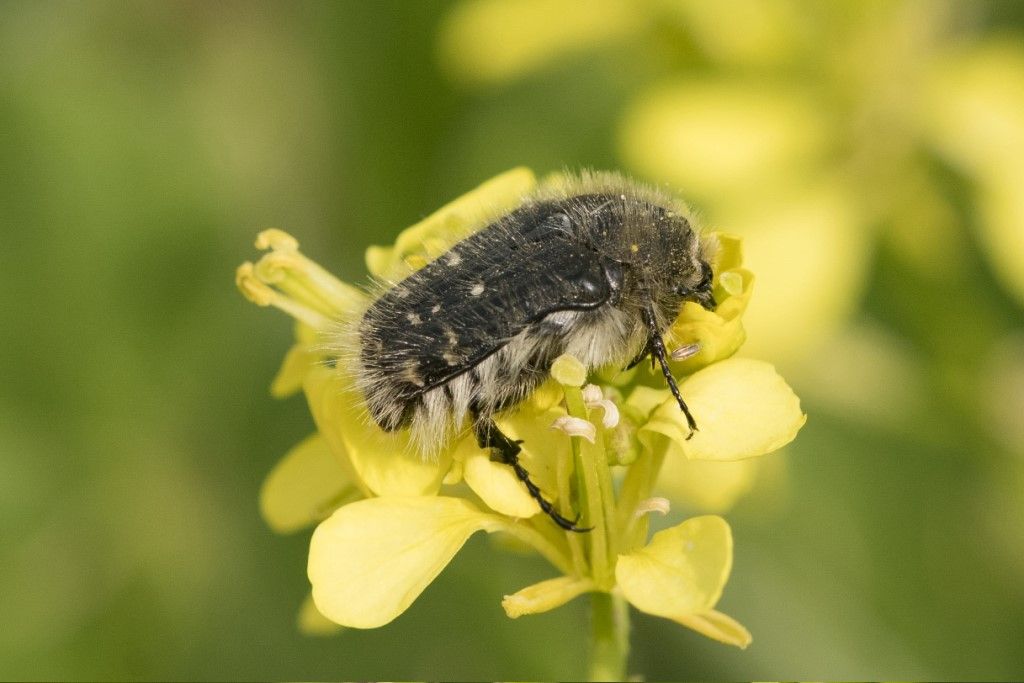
[(388, 521)]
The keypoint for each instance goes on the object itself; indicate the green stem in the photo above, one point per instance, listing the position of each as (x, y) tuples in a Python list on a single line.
[(566, 471), (604, 475), (587, 466), (609, 637)]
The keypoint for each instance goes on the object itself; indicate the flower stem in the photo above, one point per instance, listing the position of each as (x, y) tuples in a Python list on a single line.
[(609, 637), (590, 458)]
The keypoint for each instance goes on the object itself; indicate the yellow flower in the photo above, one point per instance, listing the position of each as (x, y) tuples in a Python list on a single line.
[(389, 522), (974, 115)]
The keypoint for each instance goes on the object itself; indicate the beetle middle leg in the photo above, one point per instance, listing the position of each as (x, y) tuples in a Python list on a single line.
[(489, 436)]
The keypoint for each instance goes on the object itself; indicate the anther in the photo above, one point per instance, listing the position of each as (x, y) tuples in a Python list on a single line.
[(276, 239), (575, 426), (649, 505), (593, 398)]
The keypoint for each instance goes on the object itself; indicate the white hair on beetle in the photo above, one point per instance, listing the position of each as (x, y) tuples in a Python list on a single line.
[(422, 350)]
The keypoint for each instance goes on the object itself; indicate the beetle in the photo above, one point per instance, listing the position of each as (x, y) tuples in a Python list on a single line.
[(596, 266)]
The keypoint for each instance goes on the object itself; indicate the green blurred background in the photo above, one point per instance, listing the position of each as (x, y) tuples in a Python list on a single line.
[(871, 153)]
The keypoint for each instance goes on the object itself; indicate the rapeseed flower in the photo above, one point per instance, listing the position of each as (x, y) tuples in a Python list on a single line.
[(388, 521)]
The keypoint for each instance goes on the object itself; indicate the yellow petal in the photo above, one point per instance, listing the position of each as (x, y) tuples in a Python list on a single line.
[(719, 333), (548, 395), (645, 400), (810, 253), (372, 558), (312, 623), (743, 409), (718, 626), (545, 596), (542, 448), (429, 238), (304, 487), (719, 137), (729, 254), (297, 362), (489, 41), (682, 571), (384, 462), (496, 483), (707, 485)]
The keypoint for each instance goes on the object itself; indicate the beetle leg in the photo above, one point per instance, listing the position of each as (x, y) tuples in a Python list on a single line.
[(489, 436), (657, 346)]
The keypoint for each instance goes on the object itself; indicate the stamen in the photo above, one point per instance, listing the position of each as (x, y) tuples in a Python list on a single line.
[(250, 287), (287, 272), (285, 262), (261, 294), (659, 505), (575, 426), (685, 351), (593, 397), (278, 240)]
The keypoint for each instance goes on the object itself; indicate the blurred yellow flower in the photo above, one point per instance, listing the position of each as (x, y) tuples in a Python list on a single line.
[(528, 33), (974, 114), (810, 129), (389, 522)]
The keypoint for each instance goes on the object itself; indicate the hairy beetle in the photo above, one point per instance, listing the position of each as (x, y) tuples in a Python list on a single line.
[(596, 266)]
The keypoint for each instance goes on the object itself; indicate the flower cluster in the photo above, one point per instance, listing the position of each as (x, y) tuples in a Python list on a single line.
[(389, 521)]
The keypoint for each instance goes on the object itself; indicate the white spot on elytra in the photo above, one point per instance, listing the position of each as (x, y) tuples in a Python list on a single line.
[(453, 258), (477, 289), (413, 318), (436, 308), (411, 374)]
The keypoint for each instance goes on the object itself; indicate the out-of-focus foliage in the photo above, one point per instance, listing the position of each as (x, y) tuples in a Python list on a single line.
[(869, 152)]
